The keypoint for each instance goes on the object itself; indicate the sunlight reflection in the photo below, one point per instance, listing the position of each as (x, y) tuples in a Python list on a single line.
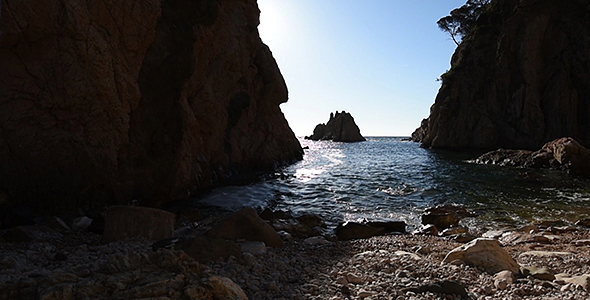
[(305, 175)]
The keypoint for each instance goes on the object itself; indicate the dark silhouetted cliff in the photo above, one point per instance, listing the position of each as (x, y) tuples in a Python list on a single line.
[(106, 101), (518, 80), (340, 128)]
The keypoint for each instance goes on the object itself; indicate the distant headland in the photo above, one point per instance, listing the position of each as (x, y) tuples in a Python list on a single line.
[(340, 128)]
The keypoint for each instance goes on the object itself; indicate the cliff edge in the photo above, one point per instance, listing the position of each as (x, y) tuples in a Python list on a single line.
[(519, 79), (340, 128), (106, 101)]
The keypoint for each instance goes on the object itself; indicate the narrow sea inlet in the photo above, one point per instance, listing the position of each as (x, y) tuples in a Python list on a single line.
[(392, 179)]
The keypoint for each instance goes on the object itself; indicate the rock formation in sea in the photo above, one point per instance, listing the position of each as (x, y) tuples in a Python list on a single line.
[(340, 128), (518, 79), (562, 154), (103, 102)]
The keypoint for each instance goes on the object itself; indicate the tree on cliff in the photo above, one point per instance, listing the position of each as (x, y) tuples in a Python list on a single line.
[(461, 20)]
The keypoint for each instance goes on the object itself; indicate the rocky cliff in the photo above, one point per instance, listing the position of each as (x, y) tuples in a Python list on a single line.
[(340, 128), (106, 101), (518, 80)]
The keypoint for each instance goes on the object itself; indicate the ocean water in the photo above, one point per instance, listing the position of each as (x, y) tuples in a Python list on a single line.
[(387, 178)]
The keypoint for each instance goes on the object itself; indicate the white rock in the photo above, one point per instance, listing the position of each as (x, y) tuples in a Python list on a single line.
[(352, 278), (485, 253), (412, 255)]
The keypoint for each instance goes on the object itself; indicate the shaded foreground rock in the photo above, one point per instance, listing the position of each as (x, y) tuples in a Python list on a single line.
[(164, 273), (340, 128), (104, 103), (563, 154), (485, 253), (127, 222), (246, 224)]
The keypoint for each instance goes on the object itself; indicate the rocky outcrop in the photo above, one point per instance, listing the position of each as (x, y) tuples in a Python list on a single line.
[(517, 80), (106, 101), (340, 128), (563, 154), (420, 133)]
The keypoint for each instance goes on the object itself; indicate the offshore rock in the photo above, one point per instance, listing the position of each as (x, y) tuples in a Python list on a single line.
[(104, 102), (340, 128), (563, 154), (517, 80)]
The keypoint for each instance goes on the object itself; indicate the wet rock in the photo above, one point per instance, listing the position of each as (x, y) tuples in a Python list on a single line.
[(245, 224), (453, 231), (353, 230), (563, 153), (126, 222), (389, 226), (444, 216), (537, 273), (485, 253), (428, 229)]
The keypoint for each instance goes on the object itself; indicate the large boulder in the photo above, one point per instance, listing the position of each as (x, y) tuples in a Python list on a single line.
[(563, 154), (104, 102), (340, 128), (246, 224), (128, 222), (517, 80), (485, 253)]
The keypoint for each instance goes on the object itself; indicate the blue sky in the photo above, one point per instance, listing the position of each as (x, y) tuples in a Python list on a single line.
[(377, 59)]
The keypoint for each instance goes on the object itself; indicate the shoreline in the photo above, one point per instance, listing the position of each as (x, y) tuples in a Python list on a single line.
[(72, 264)]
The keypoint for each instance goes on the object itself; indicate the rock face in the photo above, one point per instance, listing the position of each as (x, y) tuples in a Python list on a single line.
[(518, 79), (340, 128), (110, 101), (563, 154)]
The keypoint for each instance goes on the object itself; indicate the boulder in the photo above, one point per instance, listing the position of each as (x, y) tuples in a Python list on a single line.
[(389, 226), (353, 230), (563, 154), (485, 253), (246, 224), (444, 216), (103, 103), (128, 222), (340, 128)]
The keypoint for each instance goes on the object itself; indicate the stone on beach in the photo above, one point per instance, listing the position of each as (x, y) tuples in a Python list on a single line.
[(353, 230), (485, 253), (246, 224), (126, 222)]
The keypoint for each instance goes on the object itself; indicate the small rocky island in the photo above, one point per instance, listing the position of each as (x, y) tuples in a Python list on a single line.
[(340, 128)]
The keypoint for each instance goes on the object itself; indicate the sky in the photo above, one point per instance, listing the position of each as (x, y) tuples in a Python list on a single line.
[(377, 59)]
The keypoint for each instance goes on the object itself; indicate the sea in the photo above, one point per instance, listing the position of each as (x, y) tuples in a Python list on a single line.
[(391, 178)]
